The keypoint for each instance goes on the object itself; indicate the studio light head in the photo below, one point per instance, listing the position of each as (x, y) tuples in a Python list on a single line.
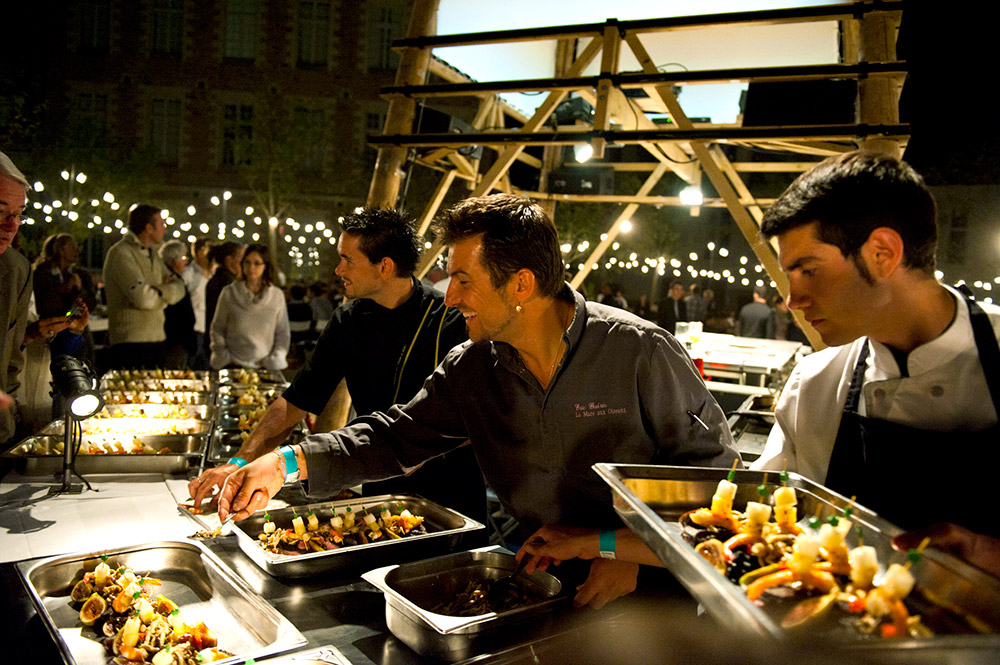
[(75, 381)]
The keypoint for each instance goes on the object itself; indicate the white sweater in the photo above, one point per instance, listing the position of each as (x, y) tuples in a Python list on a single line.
[(249, 330), (136, 292)]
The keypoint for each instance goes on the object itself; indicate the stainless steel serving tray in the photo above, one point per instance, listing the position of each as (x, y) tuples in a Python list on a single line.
[(229, 395), (157, 397), (42, 455), (164, 411), (650, 499), (410, 588), (225, 442), (204, 588), (140, 374), (445, 528), (134, 426), (264, 377), (158, 385), (228, 417)]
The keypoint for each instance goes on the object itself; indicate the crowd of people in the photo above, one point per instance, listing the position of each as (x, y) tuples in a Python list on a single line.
[(762, 317), (504, 380)]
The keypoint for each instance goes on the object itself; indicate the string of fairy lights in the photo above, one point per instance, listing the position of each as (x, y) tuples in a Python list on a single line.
[(106, 214)]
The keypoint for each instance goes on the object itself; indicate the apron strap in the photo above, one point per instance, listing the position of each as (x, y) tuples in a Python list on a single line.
[(857, 381), (989, 350)]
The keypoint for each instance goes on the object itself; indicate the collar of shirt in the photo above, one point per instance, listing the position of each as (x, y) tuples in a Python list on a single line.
[(938, 352), (506, 355)]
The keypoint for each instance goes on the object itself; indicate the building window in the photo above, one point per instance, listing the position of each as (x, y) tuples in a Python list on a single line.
[(314, 32), (237, 134), (374, 123), (168, 26), (95, 25), (308, 130), (385, 24), (165, 130), (241, 29), (90, 113)]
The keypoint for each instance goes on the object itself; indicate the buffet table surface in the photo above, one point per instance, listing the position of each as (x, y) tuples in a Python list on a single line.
[(341, 615)]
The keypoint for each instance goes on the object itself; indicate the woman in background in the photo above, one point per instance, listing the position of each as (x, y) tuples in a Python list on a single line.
[(58, 288), (250, 328), (227, 257)]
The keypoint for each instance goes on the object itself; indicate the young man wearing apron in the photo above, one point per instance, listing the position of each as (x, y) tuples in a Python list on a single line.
[(901, 411)]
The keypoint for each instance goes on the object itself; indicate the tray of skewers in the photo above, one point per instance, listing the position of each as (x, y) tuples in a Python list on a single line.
[(248, 395), (111, 453), (250, 376), (143, 374), (776, 554), (158, 411), (174, 397), (305, 540), (165, 603)]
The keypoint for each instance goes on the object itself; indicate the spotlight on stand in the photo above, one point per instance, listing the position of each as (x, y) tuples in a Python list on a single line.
[(76, 382)]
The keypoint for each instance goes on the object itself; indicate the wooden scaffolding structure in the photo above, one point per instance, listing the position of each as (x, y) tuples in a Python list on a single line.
[(689, 150)]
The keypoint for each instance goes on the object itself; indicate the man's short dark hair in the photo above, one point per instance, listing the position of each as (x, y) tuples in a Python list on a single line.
[(140, 216), (851, 195), (297, 292), (317, 288), (383, 232), (516, 234), (198, 243)]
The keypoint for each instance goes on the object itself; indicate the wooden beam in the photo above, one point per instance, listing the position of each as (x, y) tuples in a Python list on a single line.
[(746, 198), (742, 167), (615, 229), (509, 154), (542, 113), (605, 87), (792, 134), (747, 225), (413, 63), (670, 201), (878, 97), (435, 203), (763, 17), (631, 80)]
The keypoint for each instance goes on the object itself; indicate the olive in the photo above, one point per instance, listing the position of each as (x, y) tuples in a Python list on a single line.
[(92, 609), (742, 563), (81, 591)]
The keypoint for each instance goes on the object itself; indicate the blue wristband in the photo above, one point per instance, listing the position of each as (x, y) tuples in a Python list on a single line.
[(291, 464), (607, 544), (238, 461)]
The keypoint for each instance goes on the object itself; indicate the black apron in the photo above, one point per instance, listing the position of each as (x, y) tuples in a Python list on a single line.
[(914, 477)]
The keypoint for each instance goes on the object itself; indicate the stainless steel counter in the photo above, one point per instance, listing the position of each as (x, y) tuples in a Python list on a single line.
[(337, 608)]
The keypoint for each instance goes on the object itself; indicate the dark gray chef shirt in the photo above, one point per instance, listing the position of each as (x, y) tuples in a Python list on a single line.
[(624, 392)]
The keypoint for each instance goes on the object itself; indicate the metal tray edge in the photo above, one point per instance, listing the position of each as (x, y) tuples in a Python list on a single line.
[(289, 636)]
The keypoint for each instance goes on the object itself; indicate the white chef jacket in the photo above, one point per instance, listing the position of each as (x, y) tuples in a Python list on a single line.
[(945, 391)]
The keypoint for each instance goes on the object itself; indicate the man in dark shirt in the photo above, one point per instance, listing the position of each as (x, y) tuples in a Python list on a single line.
[(532, 390), (384, 342), (672, 309), (756, 318)]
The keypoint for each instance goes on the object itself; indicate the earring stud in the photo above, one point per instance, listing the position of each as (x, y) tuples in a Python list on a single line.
[(518, 308)]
